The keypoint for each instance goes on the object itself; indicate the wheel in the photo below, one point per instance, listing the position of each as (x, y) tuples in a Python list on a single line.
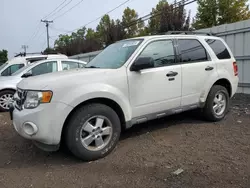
[(92, 131), (6, 97), (217, 103)]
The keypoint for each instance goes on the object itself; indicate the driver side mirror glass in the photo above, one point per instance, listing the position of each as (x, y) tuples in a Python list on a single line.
[(142, 63)]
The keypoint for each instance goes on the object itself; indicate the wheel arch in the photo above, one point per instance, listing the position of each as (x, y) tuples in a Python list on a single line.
[(222, 82), (225, 83), (106, 101), (6, 89)]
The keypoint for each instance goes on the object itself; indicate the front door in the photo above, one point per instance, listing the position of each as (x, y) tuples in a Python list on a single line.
[(156, 89)]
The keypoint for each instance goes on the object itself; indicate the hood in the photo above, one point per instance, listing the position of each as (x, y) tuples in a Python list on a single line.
[(70, 77)]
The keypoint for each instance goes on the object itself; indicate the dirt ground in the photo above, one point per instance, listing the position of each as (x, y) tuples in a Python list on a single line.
[(210, 155)]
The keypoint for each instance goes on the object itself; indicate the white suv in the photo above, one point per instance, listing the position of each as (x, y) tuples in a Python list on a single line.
[(130, 82)]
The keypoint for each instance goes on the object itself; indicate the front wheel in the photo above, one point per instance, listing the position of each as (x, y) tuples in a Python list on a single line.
[(92, 131), (6, 97), (217, 103)]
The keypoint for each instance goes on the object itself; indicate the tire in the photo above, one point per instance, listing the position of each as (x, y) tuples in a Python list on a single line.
[(78, 130), (212, 109), (6, 96)]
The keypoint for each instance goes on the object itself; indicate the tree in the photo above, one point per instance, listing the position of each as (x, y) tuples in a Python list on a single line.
[(128, 20), (154, 22), (78, 42), (49, 51), (109, 31), (90, 34), (3, 56), (216, 12), (232, 11), (102, 29), (167, 17), (207, 14)]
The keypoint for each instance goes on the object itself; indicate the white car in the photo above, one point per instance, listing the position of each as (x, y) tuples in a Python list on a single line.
[(8, 83), (16, 63), (130, 82)]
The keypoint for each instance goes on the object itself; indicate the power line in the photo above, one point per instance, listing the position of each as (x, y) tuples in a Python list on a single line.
[(68, 10), (54, 10), (149, 16), (34, 33), (106, 13), (61, 8), (100, 16), (58, 29)]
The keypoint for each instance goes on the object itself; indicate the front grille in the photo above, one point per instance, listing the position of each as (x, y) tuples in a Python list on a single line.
[(19, 98)]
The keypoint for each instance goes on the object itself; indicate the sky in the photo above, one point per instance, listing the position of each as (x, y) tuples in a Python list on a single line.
[(20, 19)]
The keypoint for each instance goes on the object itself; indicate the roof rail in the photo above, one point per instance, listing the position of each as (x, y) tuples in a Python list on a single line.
[(188, 33), (24, 54)]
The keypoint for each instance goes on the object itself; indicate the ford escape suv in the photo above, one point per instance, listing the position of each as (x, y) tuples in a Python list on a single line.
[(130, 82)]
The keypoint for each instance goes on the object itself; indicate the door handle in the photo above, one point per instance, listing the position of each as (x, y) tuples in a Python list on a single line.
[(172, 74), (209, 68)]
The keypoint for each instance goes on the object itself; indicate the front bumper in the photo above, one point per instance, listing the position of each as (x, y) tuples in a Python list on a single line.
[(43, 124)]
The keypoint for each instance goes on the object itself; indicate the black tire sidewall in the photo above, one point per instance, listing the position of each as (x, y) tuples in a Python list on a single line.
[(4, 93), (75, 124)]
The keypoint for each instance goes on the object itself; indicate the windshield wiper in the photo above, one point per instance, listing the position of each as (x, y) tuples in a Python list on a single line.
[(93, 67)]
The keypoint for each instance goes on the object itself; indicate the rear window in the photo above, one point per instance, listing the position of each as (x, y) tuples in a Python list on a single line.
[(191, 50), (219, 49)]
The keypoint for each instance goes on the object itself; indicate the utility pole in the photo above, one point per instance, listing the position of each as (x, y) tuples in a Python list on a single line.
[(24, 47), (47, 28)]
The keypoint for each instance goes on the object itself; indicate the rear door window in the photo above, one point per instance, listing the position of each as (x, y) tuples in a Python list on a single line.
[(219, 49), (191, 50)]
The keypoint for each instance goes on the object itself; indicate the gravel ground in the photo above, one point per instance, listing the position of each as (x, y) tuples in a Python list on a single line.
[(210, 155)]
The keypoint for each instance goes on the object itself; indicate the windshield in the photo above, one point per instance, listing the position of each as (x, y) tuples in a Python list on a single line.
[(3, 66), (115, 55)]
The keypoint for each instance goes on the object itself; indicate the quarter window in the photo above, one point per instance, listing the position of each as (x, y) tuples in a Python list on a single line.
[(162, 53), (219, 49), (67, 65), (191, 50)]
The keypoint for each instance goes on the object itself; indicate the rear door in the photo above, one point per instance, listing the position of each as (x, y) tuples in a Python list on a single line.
[(197, 67)]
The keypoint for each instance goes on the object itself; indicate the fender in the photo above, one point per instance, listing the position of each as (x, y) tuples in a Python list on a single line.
[(220, 74), (98, 90), (8, 86)]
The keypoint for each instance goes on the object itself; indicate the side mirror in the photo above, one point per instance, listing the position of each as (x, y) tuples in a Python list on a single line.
[(142, 63), (26, 75)]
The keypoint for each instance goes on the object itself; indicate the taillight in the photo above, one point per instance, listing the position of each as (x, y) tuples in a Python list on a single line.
[(235, 69)]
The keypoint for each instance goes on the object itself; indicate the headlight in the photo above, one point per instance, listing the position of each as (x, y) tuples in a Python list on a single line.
[(34, 98)]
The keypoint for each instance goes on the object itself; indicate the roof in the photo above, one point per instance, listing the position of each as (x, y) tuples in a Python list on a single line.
[(23, 59), (173, 36)]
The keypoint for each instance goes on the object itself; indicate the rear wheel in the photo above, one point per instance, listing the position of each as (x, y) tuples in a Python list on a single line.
[(217, 103), (6, 97), (92, 131)]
